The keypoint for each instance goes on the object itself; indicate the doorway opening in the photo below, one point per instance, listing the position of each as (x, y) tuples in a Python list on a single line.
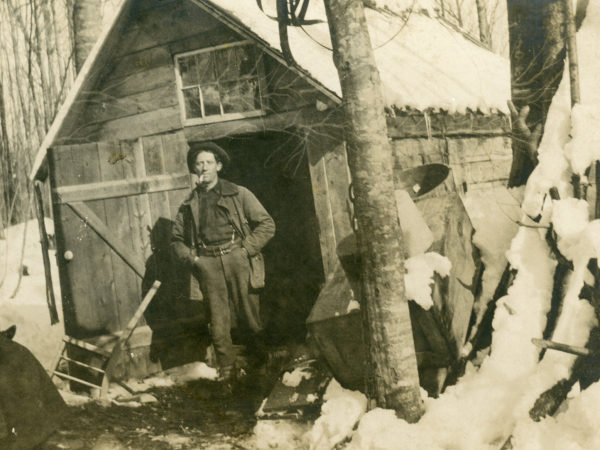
[(274, 166)]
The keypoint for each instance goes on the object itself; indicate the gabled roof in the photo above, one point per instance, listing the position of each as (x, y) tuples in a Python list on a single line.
[(423, 63)]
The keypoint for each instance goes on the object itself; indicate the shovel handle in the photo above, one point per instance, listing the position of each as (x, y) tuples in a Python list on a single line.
[(139, 312)]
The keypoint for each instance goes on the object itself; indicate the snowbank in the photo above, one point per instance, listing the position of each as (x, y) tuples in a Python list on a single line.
[(27, 309), (339, 414)]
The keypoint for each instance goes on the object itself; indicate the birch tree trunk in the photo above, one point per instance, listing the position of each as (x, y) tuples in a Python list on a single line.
[(484, 24), (87, 25), (393, 379)]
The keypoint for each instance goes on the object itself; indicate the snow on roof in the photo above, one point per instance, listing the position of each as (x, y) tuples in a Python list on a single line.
[(423, 63)]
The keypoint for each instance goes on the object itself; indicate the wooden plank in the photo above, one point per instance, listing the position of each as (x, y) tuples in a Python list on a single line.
[(94, 222), (141, 202), (59, 159), (86, 345), (77, 380), (218, 35), (338, 185), (318, 178), (270, 122), (151, 4), (150, 58), (126, 282), (98, 257), (136, 210), (175, 149), (120, 188), (148, 123), (50, 300), (159, 202), (95, 308), (102, 108), (138, 82), (163, 24)]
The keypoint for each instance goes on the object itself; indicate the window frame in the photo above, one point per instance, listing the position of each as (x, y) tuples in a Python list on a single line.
[(223, 117)]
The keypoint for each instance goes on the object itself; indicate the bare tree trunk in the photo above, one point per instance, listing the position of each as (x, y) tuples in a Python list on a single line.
[(484, 24), (537, 51), (87, 25), (393, 377), (6, 165)]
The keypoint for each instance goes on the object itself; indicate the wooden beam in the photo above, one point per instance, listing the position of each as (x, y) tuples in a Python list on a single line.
[(120, 188), (45, 257), (93, 221), (260, 124)]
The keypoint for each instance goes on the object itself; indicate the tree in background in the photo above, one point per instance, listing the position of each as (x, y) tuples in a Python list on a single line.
[(537, 52), (35, 74)]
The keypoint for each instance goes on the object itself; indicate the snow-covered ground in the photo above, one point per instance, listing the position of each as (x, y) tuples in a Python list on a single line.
[(27, 308)]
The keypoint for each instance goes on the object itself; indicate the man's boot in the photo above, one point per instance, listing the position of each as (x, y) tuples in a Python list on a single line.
[(227, 378)]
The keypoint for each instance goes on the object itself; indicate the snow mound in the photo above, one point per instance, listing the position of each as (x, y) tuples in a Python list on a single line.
[(419, 276), (340, 412)]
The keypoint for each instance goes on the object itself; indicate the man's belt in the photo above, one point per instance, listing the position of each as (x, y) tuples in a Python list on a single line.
[(219, 250)]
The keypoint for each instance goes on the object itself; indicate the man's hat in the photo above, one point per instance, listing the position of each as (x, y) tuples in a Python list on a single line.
[(197, 147)]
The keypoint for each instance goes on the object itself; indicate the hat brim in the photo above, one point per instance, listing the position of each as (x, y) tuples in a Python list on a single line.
[(198, 147)]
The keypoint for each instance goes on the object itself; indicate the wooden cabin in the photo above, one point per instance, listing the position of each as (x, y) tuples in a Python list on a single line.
[(169, 72)]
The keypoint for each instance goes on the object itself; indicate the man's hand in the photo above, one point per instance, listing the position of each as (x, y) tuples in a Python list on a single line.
[(530, 140)]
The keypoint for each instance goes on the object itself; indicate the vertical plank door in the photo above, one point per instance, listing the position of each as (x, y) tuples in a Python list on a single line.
[(106, 198)]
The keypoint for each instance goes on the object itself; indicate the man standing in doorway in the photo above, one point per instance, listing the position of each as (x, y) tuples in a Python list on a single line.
[(218, 235)]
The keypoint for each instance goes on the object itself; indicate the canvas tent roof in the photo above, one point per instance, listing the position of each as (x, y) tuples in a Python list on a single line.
[(423, 63)]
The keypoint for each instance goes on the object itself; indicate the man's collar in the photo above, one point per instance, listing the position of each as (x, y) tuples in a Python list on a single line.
[(228, 188), (225, 188)]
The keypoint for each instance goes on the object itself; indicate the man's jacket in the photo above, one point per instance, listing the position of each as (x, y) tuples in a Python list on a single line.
[(246, 214)]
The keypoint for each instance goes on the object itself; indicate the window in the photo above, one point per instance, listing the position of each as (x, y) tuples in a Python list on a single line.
[(220, 83)]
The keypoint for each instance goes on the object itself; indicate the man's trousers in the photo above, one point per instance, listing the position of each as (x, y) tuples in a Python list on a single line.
[(225, 282)]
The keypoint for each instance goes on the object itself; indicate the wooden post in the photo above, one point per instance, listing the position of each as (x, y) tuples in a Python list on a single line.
[(393, 378), (44, 242)]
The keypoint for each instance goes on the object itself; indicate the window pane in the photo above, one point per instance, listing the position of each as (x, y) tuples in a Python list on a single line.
[(192, 103), (187, 69), (206, 67), (210, 96), (240, 96), (235, 62)]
